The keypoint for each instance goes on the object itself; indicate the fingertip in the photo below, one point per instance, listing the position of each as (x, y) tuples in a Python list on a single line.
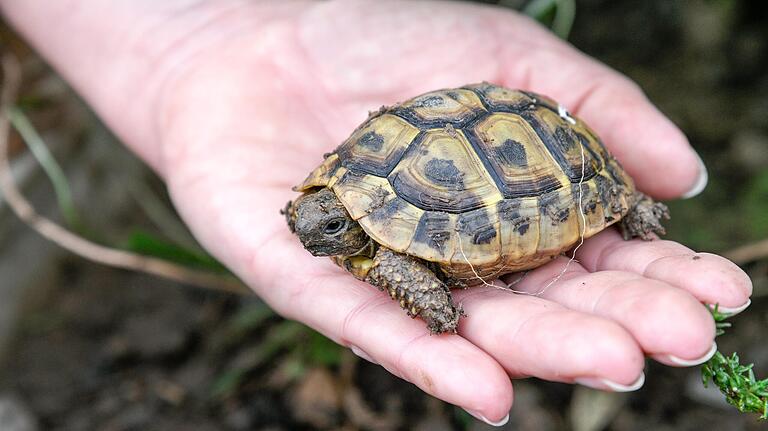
[(676, 324), (614, 354), (450, 367), (702, 178), (710, 278)]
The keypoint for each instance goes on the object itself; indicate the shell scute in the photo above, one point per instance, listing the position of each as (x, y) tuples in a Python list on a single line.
[(376, 147), (564, 145), (516, 155), (443, 173), (437, 108)]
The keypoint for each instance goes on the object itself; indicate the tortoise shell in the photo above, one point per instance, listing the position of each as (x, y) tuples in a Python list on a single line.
[(482, 180)]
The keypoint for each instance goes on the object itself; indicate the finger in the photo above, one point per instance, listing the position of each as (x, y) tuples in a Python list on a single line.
[(530, 336), (357, 315), (636, 132), (667, 322), (710, 278)]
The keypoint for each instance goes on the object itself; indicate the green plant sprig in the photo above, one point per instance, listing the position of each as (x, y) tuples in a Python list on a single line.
[(737, 382)]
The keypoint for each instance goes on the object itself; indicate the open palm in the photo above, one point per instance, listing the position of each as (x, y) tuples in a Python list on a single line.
[(261, 91)]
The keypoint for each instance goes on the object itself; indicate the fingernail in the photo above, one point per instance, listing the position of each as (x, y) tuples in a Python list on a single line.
[(735, 310), (361, 353), (691, 362), (701, 182), (605, 384), (480, 417)]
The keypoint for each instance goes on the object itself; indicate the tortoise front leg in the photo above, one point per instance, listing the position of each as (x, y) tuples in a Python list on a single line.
[(417, 288), (644, 218)]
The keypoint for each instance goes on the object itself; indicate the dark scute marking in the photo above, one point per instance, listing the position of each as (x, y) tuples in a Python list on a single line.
[(612, 166), (373, 166), (443, 172), (565, 138), (458, 121), (454, 95), (434, 200), (476, 225), (548, 206), (351, 177), (598, 158), (558, 144), (387, 210), (512, 152), (428, 102), (604, 190), (588, 198), (509, 211), (433, 230), (514, 188), (371, 140), (609, 194)]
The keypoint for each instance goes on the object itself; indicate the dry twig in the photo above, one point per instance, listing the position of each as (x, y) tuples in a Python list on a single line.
[(748, 253), (72, 242)]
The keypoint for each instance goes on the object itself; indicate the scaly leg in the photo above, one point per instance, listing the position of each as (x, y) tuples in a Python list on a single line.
[(644, 218), (417, 288)]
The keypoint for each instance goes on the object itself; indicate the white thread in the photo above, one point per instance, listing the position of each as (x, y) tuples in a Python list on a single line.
[(482, 280), (583, 227)]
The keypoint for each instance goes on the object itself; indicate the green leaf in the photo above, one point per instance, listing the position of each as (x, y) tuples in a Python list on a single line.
[(322, 351), (151, 245)]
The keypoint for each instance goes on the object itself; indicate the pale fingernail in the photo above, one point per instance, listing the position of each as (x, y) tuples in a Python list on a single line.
[(605, 384), (691, 362), (701, 181), (735, 310), (480, 417), (361, 353)]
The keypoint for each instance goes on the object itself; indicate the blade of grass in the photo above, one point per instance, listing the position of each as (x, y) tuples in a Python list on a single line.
[(564, 14), (51, 168)]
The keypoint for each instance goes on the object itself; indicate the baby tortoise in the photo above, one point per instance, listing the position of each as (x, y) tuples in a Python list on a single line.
[(458, 186)]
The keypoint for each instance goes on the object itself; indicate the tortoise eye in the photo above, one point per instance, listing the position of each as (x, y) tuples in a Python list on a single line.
[(334, 226)]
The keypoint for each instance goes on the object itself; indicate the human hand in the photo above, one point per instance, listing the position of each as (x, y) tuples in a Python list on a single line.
[(249, 96)]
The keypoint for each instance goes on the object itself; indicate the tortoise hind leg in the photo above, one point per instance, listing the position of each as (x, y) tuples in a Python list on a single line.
[(644, 218), (417, 288)]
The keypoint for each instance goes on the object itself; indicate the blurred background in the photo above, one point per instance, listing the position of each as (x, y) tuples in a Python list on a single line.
[(85, 347)]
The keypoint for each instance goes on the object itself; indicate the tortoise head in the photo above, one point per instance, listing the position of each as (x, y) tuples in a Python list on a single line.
[(324, 226)]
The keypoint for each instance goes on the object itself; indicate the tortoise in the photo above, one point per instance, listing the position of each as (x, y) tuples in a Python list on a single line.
[(459, 186)]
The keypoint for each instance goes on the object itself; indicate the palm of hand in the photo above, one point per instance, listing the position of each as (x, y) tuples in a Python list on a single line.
[(246, 119)]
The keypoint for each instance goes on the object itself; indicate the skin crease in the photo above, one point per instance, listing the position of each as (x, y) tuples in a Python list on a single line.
[(234, 102)]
